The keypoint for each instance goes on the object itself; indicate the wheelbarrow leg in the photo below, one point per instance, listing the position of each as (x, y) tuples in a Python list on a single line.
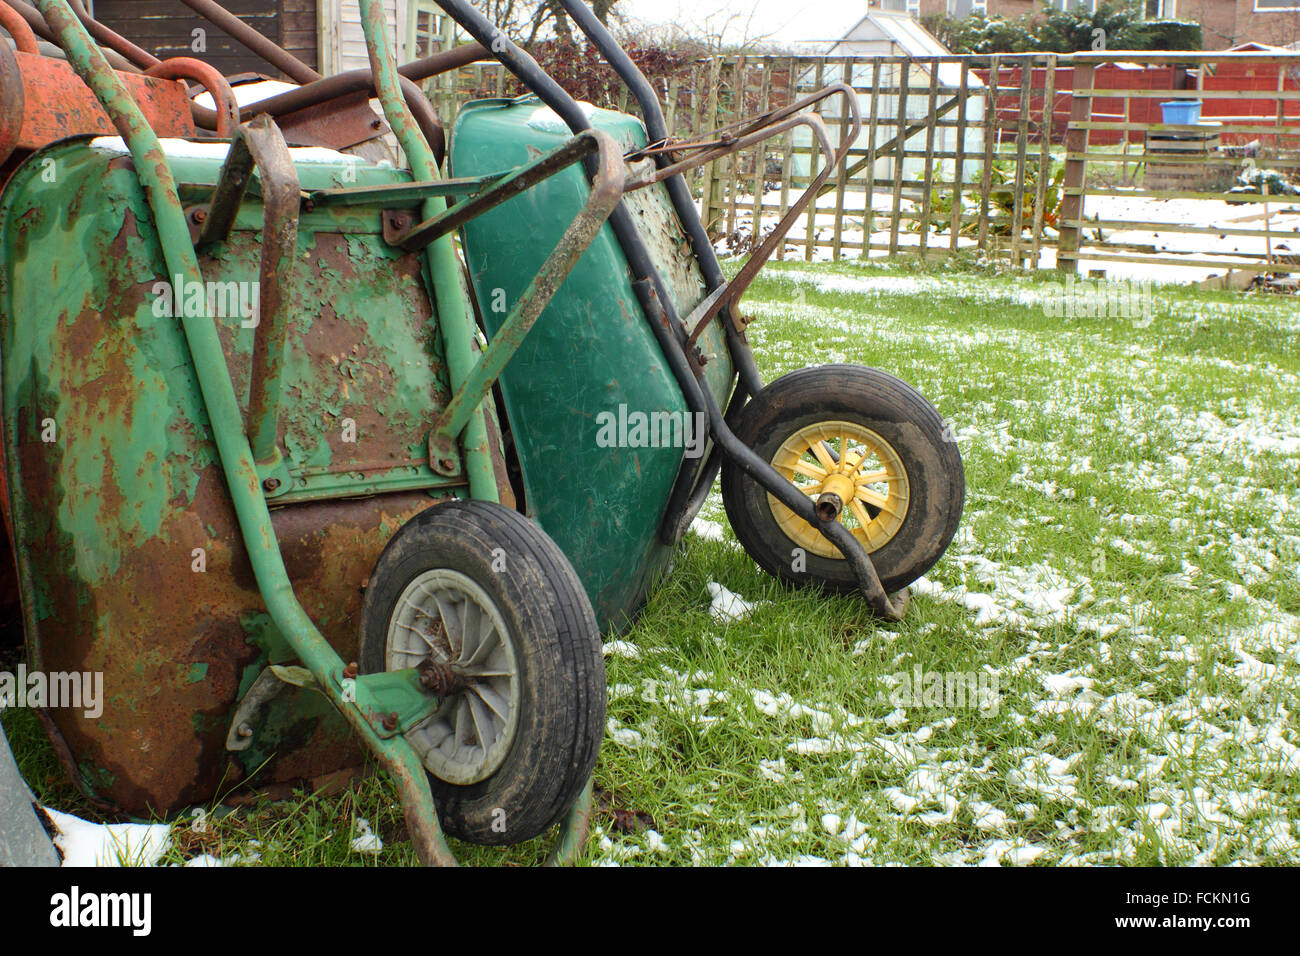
[(573, 831), (418, 808)]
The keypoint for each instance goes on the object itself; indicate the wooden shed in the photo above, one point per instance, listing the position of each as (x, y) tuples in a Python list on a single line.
[(324, 34), (891, 34)]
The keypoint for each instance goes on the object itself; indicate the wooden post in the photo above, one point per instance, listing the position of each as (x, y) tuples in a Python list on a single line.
[(710, 169), (1128, 115), (928, 179), (670, 115), (699, 81), (990, 133), (810, 232), (843, 178), (787, 150), (869, 219), (1281, 106), (760, 157), (959, 162), (1022, 146), (1044, 156), (738, 84), (900, 153), (1076, 171)]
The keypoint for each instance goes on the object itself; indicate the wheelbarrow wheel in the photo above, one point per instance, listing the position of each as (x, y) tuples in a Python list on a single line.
[(863, 443), (489, 600)]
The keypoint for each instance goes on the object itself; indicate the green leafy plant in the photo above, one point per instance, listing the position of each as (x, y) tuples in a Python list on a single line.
[(1065, 31), (1002, 200)]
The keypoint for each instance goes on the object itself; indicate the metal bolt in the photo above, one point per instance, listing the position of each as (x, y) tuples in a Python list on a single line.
[(350, 671), (447, 464), (441, 679), (244, 730), (199, 215), (390, 722), (271, 484)]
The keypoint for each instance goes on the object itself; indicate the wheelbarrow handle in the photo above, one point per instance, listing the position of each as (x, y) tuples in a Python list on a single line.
[(259, 143), (751, 132)]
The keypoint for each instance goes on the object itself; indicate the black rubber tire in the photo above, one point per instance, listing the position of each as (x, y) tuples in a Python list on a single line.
[(896, 412), (557, 649)]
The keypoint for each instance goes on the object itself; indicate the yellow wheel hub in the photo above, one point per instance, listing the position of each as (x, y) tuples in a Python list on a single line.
[(858, 466)]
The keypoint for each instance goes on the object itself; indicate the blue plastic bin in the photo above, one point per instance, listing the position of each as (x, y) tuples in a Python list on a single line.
[(1182, 112)]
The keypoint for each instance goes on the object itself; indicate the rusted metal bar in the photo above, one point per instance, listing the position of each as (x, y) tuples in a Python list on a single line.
[(290, 65), (399, 194), (502, 190), (280, 199), (33, 18), (210, 78), (362, 80), (606, 192), (43, 32), (240, 31), (114, 41), (724, 140), (19, 29)]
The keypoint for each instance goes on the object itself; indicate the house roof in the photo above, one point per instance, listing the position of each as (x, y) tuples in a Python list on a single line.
[(898, 33), (1254, 47), (899, 28)]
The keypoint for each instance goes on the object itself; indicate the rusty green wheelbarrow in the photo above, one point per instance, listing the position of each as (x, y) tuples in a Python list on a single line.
[(256, 480)]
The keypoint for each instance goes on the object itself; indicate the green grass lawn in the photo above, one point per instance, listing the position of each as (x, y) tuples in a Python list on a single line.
[(1126, 572)]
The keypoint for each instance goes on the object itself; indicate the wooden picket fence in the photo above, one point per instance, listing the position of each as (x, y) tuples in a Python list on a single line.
[(955, 152)]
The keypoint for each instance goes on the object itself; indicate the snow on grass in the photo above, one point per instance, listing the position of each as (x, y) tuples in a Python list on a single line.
[(1128, 569)]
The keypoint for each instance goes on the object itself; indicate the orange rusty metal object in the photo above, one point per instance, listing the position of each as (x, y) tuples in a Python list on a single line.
[(210, 78), (57, 104), (19, 29)]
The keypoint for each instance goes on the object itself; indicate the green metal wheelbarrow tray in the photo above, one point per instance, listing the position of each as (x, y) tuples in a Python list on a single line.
[(837, 477), (358, 397)]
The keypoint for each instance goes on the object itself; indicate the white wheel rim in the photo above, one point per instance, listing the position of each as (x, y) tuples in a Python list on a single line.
[(445, 615)]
